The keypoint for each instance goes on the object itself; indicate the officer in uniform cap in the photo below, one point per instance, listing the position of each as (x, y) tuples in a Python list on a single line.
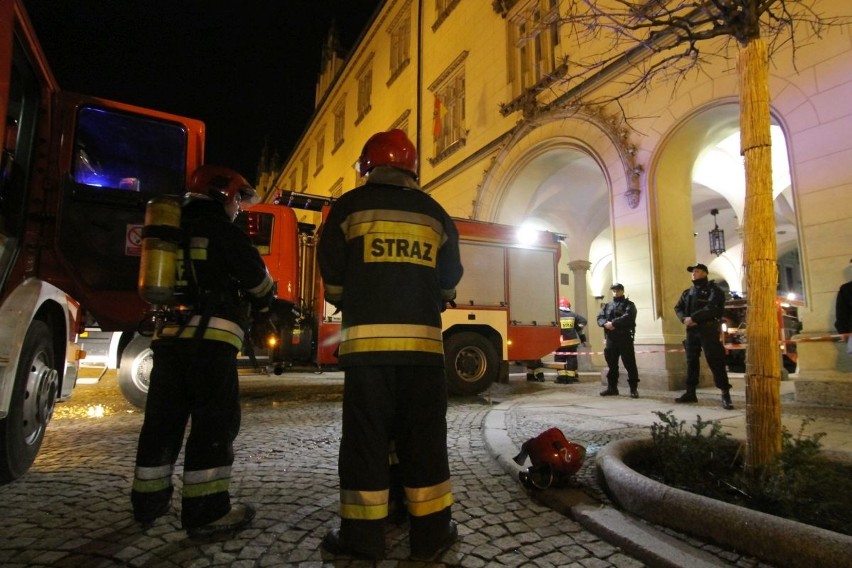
[(618, 319), (700, 308)]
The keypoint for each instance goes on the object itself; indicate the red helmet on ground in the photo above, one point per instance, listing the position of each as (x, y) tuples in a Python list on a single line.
[(221, 184), (391, 148), (564, 304), (554, 458)]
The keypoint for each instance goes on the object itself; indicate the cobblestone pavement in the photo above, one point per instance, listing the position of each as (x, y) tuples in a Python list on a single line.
[(72, 508)]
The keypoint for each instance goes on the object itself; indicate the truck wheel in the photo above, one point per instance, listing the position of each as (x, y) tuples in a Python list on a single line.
[(134, 371), (31, 407), (472, 363)]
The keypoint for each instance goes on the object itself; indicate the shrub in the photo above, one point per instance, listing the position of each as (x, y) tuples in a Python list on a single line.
[(800, 484)]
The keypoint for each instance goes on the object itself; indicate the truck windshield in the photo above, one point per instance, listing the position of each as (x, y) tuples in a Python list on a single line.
[(121, 151)]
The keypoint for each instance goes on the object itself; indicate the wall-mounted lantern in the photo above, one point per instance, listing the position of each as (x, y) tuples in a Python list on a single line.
[(717, 236)]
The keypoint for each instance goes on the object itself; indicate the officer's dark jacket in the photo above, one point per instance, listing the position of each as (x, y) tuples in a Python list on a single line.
[(389, 258), (622, 313), (227, 271), (704, 302)]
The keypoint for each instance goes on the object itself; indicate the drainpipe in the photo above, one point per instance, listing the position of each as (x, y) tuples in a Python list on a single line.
[(419, 97)]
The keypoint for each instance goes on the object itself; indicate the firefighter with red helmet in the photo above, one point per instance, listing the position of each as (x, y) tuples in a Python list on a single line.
[(571, 325), (194, 376), (389, 257)]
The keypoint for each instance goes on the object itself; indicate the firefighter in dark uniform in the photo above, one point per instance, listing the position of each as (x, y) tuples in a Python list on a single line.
[(618, 319), (389, 257), (701, 308), (571, 326), (194, 375)]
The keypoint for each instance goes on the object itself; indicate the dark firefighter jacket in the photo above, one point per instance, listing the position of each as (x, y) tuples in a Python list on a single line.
[(571, 327), (704, 302), (226, 272), (622, 313), (389, 258)]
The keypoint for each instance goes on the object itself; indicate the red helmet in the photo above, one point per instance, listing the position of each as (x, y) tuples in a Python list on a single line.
[(564, 303), (221, 184), (391, 148), (553, 459)]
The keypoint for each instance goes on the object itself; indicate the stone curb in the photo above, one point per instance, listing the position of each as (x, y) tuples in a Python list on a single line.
[(637, 538), (780, 541)]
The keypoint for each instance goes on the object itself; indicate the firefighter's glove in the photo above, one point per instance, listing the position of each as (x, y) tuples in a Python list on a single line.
[(445, 304)]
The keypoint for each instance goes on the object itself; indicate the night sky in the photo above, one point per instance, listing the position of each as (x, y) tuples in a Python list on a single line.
[(248, 69)]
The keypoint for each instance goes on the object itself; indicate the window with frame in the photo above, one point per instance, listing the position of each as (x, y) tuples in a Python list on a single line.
[(402, 122), (365, 89), (448, 117), (320, 145), (534, 30), (442, 10), (339, 123), (305, 165), (400, 42)]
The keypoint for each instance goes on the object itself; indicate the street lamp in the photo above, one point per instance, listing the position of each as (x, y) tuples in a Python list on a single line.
[(717, 236)]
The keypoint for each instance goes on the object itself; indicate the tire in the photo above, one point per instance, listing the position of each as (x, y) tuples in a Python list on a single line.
[(134, 371), (472, 363), (31, 407)]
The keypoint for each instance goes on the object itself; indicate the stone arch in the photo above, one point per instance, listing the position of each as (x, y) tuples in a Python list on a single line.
[(593, 135), (686, 133)]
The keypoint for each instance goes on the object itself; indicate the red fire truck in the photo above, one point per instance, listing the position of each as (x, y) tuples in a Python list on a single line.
[(735, 333), (506, 307), (75, 175)]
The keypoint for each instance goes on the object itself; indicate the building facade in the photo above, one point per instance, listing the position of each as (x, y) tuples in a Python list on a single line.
[(634, 180)]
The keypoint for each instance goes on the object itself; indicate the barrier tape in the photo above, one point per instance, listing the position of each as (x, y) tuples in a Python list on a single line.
[(730, 346)]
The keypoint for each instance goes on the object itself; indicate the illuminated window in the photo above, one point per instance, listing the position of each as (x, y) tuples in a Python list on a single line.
[(400, 40), (305, 165), (339, 123), (442, 10), (448, 115), (534, 33), (365, 89), (320, 150)]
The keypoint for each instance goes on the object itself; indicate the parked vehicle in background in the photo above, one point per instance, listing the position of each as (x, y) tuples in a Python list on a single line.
[(735, 333), (75, 176)]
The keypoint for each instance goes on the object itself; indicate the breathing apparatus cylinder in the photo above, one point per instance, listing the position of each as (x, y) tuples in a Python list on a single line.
[(161, 237)]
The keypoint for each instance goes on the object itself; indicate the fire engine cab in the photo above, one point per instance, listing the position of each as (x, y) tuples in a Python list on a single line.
[(75, 175)]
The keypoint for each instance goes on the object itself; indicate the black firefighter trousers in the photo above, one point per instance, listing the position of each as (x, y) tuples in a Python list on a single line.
[(406, 405), (197, 380)]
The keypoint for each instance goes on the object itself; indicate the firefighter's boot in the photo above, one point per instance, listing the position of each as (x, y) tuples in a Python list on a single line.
[(726, 400), (564, 377), (610, 391), (688, 396)]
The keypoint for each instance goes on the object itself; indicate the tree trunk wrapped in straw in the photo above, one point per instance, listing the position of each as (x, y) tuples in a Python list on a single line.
[(763, 359)]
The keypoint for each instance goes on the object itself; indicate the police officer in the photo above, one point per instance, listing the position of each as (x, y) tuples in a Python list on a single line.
[(700, 308), (571, 326), (389, 258), (618, 319), (194, 376)]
